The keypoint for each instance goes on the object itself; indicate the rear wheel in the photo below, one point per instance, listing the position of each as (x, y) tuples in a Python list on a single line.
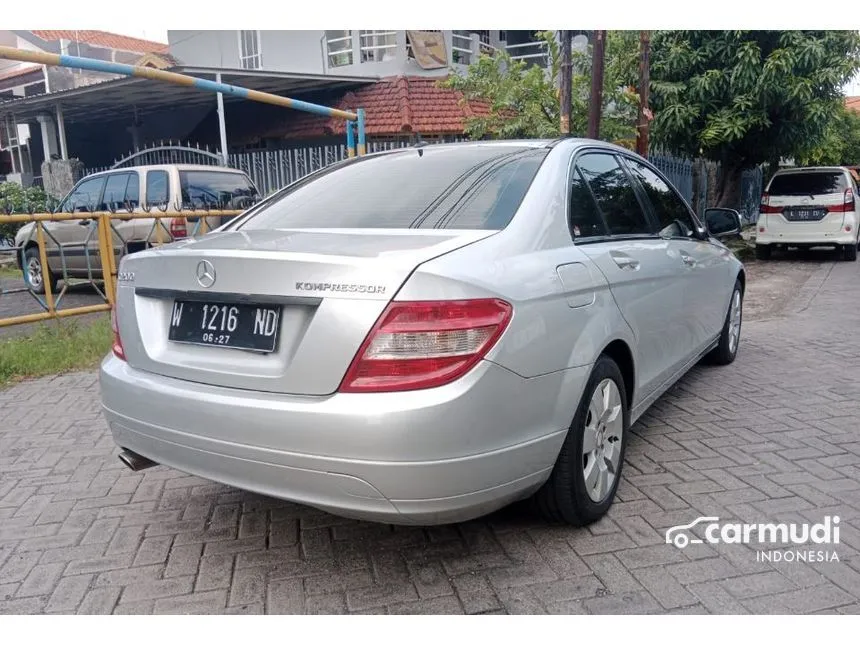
[(762, 252), (727, 349), (35, 275), (849, 252), (586, 474)]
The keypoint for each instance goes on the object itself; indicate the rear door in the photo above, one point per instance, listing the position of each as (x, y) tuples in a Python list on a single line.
[(702, 266), (643, 277)]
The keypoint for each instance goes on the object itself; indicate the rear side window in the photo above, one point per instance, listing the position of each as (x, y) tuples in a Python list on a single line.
[(585, 219), (121, 190), (201, 188), (157, 187), (614, 194), (797, 184), (468, 187)]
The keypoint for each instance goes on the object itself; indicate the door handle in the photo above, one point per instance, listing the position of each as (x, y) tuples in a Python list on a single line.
[(625, 262), (689, 260)]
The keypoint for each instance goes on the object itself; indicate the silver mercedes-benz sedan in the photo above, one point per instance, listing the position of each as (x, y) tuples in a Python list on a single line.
[(425, 335)]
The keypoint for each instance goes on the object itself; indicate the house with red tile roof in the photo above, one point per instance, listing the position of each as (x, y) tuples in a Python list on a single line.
[(21, 80), (392, 74)]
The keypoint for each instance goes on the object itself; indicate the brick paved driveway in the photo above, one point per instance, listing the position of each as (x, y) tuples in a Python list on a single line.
[(773, 437)]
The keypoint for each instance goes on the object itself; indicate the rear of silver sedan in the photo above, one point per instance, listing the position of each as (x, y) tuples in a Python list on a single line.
[(275, 356)]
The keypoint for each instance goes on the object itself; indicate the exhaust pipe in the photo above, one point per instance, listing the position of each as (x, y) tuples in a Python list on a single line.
[(135, 461)]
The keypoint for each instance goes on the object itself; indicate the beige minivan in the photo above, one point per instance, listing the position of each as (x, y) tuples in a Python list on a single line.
[(72, 245)]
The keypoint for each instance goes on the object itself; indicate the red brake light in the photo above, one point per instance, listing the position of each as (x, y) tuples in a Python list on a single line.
[(117, 347), (765, 206), (847, 204), (178, 228), (418, 345)]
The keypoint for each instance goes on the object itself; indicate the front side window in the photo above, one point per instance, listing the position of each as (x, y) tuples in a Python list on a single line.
[(474, 187), (672, 215), (613, 193), (249, 50), (157, 187), (85, 197)]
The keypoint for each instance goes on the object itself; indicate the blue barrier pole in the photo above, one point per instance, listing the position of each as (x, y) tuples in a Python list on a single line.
[(361, 138)]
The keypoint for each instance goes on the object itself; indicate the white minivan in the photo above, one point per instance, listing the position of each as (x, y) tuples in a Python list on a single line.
[(807, 207)]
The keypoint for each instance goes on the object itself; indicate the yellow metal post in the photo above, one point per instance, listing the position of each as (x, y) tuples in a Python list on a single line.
[(106, 257), (46, 273)]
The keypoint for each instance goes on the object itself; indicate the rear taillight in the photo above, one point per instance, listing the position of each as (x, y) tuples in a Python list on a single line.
[(117, 347), (178, 228), (418, 345), (765, 206), (847, 205)]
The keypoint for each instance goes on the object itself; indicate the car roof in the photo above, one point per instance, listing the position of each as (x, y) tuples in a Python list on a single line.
[(787, 171), (167, 166)]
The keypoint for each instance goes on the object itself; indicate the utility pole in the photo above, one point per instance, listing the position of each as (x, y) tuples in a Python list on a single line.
[(595, 99), (565, 82), (644, 93)]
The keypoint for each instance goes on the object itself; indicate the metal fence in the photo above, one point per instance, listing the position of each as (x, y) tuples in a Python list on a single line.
[(271, 170)]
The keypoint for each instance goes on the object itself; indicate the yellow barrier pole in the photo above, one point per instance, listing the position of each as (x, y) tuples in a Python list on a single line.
[(64, 313), (105, 254), (43, 258)]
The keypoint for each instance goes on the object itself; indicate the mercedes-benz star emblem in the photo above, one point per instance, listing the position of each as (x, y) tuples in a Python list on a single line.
[(205, 274)]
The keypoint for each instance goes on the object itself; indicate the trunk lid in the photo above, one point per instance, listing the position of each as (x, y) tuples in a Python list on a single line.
[(330, 286)]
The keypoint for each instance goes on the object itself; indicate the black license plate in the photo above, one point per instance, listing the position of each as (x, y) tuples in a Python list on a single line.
[(251, 327)]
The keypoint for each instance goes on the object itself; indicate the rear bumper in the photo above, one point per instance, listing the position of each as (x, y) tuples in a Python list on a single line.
[(778, 231), (432, 457)]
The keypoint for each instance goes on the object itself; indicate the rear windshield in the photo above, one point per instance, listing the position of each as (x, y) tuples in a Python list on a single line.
[(808, 183), (469, 187), (230, 190)]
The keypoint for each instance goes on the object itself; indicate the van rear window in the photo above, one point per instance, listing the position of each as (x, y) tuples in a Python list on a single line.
[(808, 183)]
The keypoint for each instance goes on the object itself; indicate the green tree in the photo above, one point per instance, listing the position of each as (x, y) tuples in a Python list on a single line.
[(523, 101), (18, 200), (840, 144), (743, 98)]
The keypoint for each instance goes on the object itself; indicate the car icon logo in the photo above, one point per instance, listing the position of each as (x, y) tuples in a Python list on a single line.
[(205, 274), (676, 535)]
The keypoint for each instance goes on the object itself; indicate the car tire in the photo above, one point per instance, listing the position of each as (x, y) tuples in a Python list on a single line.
[(35, 275), (566, 496), (730, 338), (762, 252), (849, 252)]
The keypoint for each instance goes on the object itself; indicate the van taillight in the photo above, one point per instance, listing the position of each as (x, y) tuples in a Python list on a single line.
[(765, 206), (847, 205), (178, 228)]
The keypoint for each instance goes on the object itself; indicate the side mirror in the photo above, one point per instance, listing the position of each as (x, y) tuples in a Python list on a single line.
[(723, 223)]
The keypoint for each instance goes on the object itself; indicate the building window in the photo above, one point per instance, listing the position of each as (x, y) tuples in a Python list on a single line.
[(377, 46), (249, 50), (461, 47), (338, 48)]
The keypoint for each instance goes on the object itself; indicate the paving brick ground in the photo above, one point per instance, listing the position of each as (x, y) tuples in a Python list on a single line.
[(773, 437)]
